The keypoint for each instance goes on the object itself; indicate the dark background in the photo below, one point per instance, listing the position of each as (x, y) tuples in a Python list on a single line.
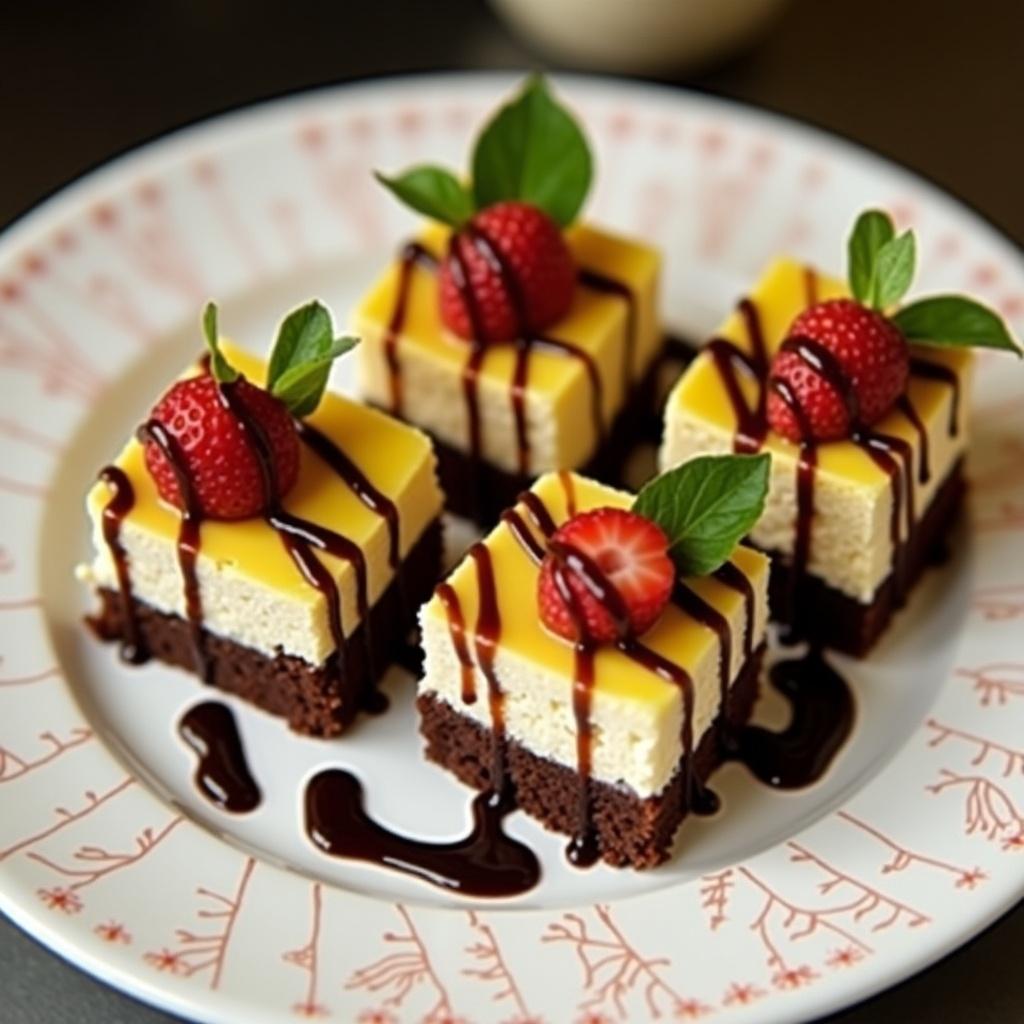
[(936, 86)]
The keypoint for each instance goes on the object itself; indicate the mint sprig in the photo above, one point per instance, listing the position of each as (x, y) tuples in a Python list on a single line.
[(881, 268), (706, 506), (300, 362), (432, 191), (954, 320), (220, 368), (532, 150), (881, 263)]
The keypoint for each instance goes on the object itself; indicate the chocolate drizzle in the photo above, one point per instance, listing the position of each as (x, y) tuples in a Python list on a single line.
[(133, 648), (412, 254), (598, 282), (300, 536), (222, 773), (806, 471), (709, 616), (732, 576), (188, 537), (751, 426), (905, 406), (485, 644), (457, 631), (927, 370), (358, 482), (527, 340)]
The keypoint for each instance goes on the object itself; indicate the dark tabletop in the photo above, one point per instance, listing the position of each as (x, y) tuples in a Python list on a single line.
[(937, 86)]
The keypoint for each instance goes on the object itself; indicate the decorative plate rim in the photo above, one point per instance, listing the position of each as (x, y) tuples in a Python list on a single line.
[(29, 909)]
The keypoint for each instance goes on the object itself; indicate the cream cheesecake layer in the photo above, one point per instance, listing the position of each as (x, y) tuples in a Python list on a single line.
[(851, 541), (560, 429), (637, 717), (252, 592)]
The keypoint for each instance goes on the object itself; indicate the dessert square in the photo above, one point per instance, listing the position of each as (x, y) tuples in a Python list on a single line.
[(302, 629), (850, 524), (620, 758), (503, 413)]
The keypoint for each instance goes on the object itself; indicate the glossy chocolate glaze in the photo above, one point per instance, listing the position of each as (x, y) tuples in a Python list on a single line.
[(222, 773)]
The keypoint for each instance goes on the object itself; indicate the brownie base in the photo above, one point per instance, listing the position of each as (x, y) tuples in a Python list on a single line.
[(631, 831), (480, 491), (826, 616), (317, 700)]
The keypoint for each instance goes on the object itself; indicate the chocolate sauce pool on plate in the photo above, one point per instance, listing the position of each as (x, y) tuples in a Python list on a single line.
[(486, 862), (222, 772)]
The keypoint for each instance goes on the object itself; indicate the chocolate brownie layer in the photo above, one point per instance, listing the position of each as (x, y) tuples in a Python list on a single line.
[(316, 702), (481, 491), (829, 617), (630, 830)]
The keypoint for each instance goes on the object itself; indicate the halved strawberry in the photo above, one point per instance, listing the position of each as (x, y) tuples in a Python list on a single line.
[(630, 552)]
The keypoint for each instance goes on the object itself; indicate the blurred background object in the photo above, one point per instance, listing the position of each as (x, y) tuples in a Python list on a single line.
[(937, 86), (639, 36)]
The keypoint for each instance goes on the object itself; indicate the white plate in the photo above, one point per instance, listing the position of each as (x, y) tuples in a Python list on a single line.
[(782, 907)]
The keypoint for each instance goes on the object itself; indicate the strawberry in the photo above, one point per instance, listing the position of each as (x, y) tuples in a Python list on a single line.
[(631, 552), (869, 360), (507, 273), (219, 461)]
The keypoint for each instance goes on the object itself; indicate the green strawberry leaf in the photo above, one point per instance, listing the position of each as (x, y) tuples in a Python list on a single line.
[(533, 150), (301, 360), (955, 321), (894, 270), (220, 368), (432, 191), (871, 233), (706, 506)]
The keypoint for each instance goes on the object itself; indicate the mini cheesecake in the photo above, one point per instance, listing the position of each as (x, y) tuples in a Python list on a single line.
[(298, 611), (500, 414), (610, 745), (850, 524)]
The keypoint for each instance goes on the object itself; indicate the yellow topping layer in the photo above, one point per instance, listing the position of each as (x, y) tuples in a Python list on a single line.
[(558, 390), (676, 636)]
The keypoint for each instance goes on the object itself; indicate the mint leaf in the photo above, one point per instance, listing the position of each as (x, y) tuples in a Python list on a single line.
[(220, 368), (706, 506), (304, 334), (432, 191), (301, 360), (954, 320), (894, 270), (302, 385), (871, 232), (533, 150)]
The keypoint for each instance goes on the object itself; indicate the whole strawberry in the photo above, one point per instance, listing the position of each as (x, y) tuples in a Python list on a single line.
[(845, 362), (631, 553), (219, 461), (508, 273), (855, 380), (207, 435)]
